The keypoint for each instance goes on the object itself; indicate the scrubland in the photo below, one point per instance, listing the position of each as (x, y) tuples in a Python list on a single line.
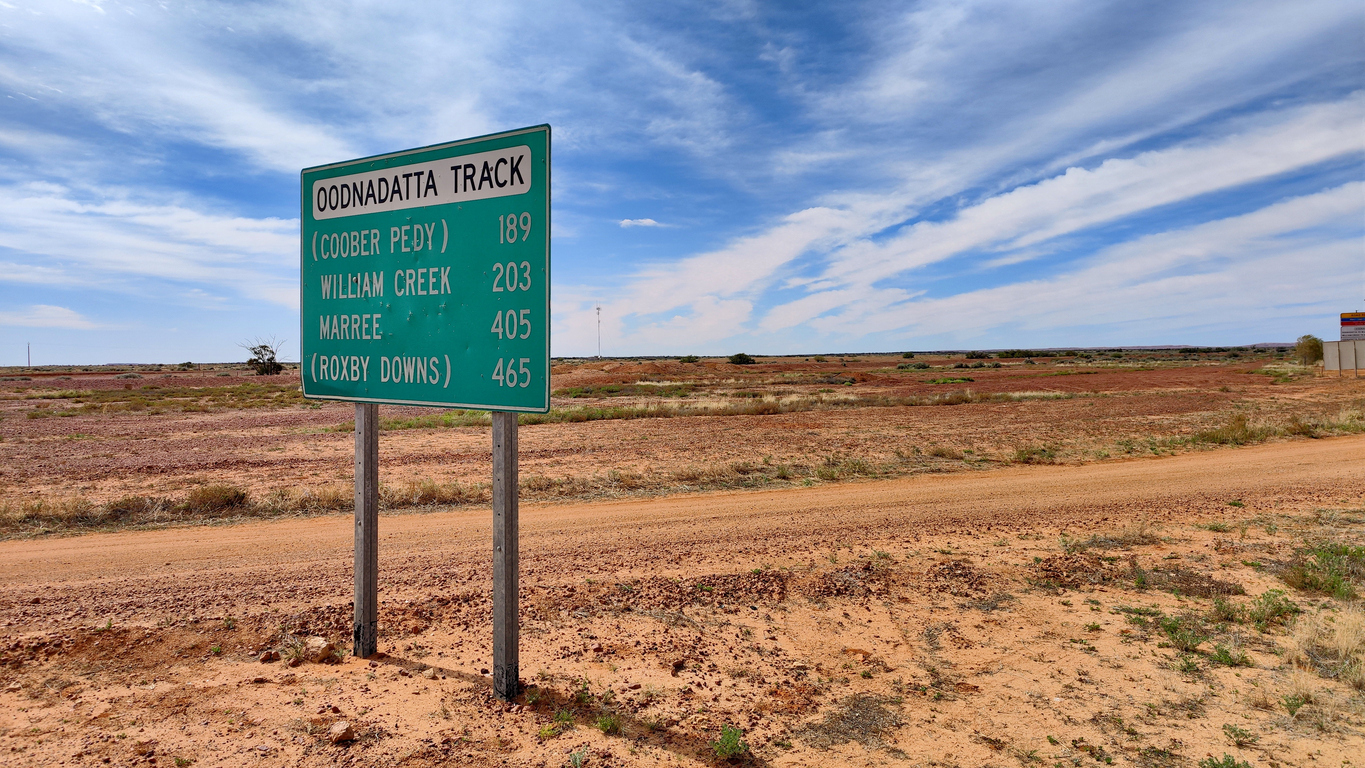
[(1112, 561)]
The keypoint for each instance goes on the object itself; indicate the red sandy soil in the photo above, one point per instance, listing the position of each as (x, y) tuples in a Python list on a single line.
[(928, 620), (1109, 412)]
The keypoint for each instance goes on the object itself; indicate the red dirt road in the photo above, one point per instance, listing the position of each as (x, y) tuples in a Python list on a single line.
[(911, 621), (311, 557)]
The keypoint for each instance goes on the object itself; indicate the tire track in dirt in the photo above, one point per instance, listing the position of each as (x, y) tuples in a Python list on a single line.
[(281, 565)]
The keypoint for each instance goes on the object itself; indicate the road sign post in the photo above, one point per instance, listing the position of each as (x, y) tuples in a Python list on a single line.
[(425, 280), (365, 627), (506, 631)]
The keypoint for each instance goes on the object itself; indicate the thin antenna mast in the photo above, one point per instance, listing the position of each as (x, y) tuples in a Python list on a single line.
[(599, 331)]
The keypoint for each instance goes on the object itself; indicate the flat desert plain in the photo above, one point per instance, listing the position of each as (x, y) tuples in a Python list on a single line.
[(1132, 558)]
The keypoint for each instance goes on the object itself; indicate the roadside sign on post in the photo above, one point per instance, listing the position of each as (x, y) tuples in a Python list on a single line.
[(426, 276), (425, 280)]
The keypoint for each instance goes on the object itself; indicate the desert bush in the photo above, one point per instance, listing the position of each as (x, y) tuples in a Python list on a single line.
[(215, 499), (1225, 612), (1186, 633), (739, 358), (1272, 607), (688, 359), (1229, 657), (1331, 568), (262, 358), (609, 724), (1308, 349), (978, 356), (1228, 761)]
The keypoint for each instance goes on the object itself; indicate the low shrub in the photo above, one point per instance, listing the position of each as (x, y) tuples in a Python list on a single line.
[(1272, 607), (730, 745), (1035, 455), (215, 499), (1186, 633), (1330, 568)]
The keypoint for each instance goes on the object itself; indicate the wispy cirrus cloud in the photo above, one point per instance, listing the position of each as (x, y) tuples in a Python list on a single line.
[(856, 253), (83, 238), (47, 316)]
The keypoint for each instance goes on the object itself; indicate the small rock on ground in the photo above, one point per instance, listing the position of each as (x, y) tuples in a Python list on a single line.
[(341, 731)]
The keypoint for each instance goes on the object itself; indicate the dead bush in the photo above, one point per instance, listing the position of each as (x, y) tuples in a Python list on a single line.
[(863, 718), (1332, 646), (428, 492), (215, 499)]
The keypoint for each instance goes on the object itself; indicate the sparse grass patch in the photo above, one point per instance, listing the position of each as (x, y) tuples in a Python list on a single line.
[(1272, 607), (1328, 567), (862, 718), (1240, 737), (1035, 455), (1138, 535), (428, 492), (1186, 633), (193, 399), (1331, 645), (215, 499), (1228, 761)]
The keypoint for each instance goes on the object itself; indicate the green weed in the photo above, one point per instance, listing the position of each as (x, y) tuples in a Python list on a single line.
[(1272, 607), (1185, 633), (1228, 761), (730, 745), (1230, 657), (1239, 736)]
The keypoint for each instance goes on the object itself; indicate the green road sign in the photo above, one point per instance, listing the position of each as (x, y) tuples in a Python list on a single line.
[(425, 276)]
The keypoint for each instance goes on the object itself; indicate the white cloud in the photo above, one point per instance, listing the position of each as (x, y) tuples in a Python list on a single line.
[(48, 316), (1273, 261), (626, 223), (1015, 225), (71, 239), (1080, 198)]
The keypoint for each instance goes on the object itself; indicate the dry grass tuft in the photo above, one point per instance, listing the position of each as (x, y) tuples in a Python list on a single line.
[(1137, 535), (863, 718), (1332, 646), (215, 499), (429, 493)]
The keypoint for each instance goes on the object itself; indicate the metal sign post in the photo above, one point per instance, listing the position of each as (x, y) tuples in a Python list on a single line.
[(506, 630), (365, 628), (425, 280)]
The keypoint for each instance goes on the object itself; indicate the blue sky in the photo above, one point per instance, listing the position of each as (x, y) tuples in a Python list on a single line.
[(775, 178)]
